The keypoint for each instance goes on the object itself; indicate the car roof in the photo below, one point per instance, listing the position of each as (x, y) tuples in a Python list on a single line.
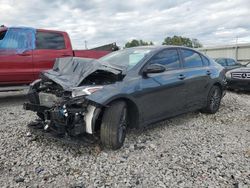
[(51, 31), (20, 27), (161, 47)]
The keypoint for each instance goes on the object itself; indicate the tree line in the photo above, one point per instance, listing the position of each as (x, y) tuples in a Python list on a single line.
[(175, 40)]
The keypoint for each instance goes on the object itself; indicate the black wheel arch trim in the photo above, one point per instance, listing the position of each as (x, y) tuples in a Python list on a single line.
[(133, 110)]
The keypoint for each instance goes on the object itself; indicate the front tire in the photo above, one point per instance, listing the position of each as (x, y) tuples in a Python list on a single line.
[(114, 124), (213, 100)]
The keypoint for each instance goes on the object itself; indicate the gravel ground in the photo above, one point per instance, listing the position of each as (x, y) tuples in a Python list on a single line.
[(192, 150)]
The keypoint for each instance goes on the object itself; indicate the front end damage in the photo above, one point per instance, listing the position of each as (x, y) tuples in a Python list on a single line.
[(62, 114), (63, 108)]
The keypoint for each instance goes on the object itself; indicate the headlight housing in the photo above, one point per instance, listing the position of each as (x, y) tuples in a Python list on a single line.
[(85, 91)]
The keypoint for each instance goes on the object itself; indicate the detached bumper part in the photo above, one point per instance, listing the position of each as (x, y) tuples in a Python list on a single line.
[(73, 121), (73, 124), (88, 119), (34, 107)]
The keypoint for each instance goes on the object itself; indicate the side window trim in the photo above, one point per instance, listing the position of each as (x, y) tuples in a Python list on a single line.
[(181, 58)]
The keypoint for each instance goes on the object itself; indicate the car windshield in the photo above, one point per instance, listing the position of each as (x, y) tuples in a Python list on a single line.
[(125, 59)]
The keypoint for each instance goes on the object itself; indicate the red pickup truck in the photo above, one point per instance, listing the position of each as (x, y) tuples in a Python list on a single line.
[(25, 52)]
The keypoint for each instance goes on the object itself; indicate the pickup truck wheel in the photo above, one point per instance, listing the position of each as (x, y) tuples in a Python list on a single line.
[(114, 124), (213, 101)]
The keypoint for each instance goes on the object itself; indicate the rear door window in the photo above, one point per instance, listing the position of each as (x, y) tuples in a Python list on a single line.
[(169, 58), (231, 62), (222, 62), (49, 40), (191, 59)]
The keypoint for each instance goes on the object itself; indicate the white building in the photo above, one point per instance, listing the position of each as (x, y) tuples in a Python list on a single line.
[(240, 52)]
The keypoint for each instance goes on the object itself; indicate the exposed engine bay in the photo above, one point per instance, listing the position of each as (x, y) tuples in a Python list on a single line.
[(59, 97), (100, 78)]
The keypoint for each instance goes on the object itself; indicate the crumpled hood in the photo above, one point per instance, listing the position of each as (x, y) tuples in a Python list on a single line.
[(69, 72)]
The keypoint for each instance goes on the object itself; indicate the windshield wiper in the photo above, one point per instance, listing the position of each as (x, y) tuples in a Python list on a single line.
[(110, 66)]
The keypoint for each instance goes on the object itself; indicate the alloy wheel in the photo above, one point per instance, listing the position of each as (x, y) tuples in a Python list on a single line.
[(215, 99), (122, 126)]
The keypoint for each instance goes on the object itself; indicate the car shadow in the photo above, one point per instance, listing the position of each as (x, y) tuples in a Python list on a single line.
[(90, 145), (12, 98), (239, 92), (78, 146)]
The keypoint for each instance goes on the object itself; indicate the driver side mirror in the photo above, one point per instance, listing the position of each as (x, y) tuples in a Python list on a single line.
[(154, 68)]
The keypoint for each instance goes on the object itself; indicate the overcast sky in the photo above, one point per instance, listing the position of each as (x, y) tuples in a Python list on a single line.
[(213, 22)]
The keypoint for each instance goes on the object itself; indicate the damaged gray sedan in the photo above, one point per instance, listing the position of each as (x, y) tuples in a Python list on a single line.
[(130, 88)]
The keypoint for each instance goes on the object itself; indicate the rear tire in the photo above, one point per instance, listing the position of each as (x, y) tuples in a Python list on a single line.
[(114, 124), (213, 100)]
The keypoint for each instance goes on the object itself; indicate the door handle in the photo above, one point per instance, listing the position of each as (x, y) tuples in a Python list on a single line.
[(181, 77), (209, 72)]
